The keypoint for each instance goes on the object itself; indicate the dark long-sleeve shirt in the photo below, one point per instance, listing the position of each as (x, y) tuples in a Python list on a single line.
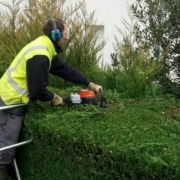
[(38, 69)]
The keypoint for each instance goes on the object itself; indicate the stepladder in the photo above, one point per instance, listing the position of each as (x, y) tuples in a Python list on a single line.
[(18, 144)]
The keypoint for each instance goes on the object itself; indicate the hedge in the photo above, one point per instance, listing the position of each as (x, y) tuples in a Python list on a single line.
[(127, 140)]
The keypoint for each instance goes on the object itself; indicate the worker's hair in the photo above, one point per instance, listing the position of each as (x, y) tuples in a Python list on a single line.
[(48, 26)]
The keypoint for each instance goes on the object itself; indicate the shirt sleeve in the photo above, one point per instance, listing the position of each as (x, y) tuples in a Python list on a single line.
[(38, 79), (62, 69)]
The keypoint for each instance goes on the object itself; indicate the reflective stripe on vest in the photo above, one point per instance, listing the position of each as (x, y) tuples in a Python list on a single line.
[(16, 87)]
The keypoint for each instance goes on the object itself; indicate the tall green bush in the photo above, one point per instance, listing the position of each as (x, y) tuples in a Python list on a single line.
[(20, 26), (82, 50), (9, 35), (134, 72), (158, 26)]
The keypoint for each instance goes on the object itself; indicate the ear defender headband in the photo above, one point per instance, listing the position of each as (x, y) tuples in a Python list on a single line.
[(55, 34)]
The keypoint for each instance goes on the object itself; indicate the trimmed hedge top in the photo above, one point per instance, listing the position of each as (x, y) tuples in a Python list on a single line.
[(134, 139)]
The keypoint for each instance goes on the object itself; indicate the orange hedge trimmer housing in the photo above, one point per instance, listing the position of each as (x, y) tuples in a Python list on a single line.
[(85, 97)]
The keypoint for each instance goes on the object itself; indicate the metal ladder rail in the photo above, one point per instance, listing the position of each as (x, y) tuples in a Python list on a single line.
[(17, 144)]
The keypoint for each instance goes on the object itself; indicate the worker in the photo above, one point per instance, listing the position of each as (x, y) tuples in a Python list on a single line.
[(27, 78)]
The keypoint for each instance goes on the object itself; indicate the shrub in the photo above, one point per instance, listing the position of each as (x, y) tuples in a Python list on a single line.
[(129, 139)]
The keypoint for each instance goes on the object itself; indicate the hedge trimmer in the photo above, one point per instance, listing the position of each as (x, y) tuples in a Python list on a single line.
[(86, 97)]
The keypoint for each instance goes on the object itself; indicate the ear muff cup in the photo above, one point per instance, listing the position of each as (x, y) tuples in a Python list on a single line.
[(55, 33)]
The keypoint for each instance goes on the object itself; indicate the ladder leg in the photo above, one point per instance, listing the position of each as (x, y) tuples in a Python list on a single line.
[(16, 170)]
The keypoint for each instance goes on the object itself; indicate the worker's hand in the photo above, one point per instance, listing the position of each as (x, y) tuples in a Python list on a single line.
[(94, 87), (57, 100)]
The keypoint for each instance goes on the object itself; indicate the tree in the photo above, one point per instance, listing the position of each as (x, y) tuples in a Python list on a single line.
[(158, 27), (134, 71), (82, 49), (20, 26), (114, 59)]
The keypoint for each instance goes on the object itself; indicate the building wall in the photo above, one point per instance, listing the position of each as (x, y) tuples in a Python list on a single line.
[(109, 14)]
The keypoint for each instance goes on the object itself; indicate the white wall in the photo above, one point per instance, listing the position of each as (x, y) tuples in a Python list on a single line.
[(109, 13)]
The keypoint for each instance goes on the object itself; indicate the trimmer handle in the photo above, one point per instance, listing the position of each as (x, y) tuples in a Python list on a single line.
[(102, 102), (66, 99), (101, 92)]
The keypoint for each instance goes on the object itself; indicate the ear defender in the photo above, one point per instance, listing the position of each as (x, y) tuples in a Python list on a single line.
[(55, 34)]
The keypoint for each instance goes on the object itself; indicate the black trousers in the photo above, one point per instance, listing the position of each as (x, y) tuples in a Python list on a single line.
[(11, 122)]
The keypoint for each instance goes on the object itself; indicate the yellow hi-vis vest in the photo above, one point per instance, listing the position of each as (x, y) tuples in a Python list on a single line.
[(13, 84)]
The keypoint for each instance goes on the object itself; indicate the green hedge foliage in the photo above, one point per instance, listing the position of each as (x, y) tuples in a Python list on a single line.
[(129, 139)]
